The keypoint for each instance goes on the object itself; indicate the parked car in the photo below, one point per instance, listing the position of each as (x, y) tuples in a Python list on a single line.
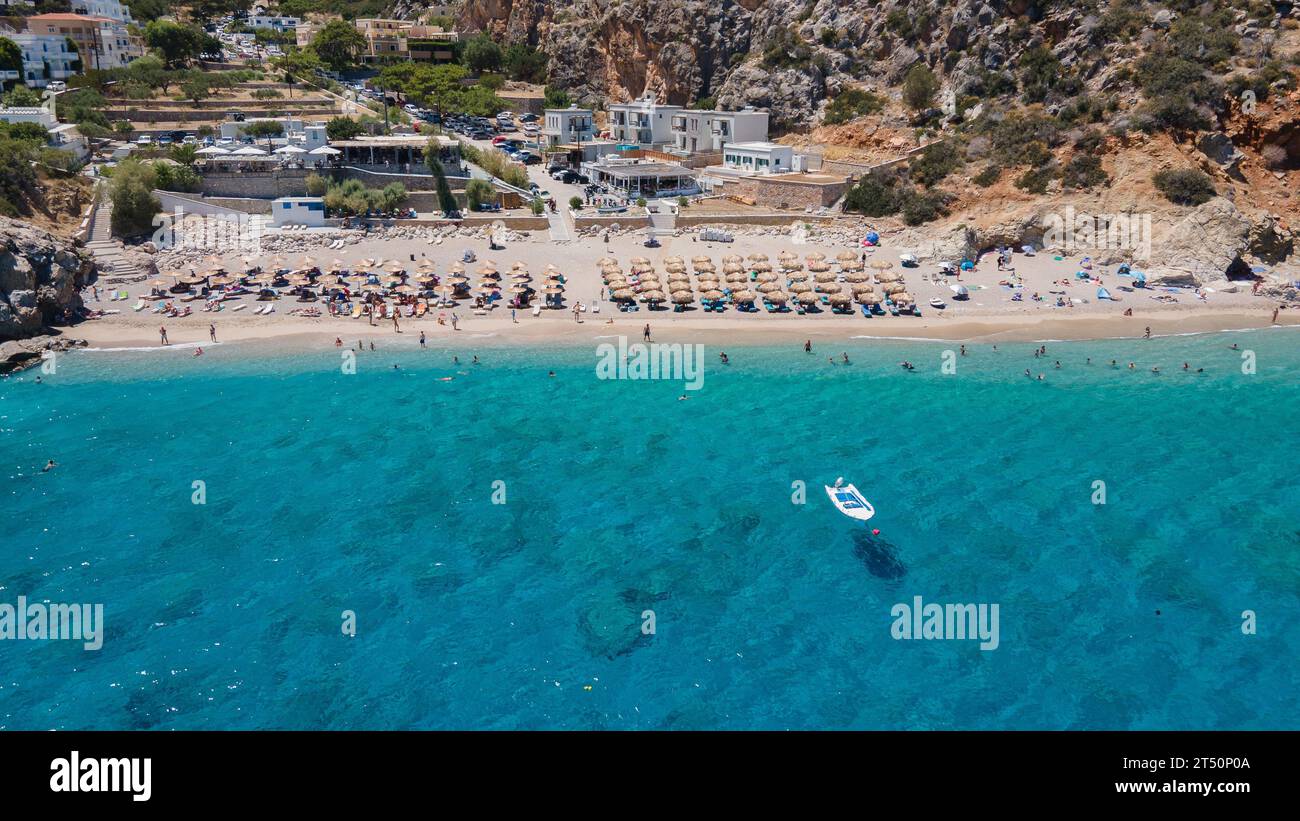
[(528, 118), (530, 158), (57, 85), (571, 177), (144, 139)]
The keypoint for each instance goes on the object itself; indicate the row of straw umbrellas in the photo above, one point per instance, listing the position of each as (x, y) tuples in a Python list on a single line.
[(378, 276), (805, 282)]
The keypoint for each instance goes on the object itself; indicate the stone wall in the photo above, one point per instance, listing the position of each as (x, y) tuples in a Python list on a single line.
[(633, 221), (687, 220), (257, 184), (789, 193), (292, 182)]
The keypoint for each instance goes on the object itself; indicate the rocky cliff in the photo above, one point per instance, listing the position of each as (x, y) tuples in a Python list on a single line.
[(41, 276)]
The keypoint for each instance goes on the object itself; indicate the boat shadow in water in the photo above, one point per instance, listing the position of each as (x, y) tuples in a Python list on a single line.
[(878, 555)]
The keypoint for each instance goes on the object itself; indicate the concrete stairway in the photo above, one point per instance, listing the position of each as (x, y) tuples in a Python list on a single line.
[(114, 269)]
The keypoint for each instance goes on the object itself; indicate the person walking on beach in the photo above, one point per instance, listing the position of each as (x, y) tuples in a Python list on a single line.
[(455, 321), (396, 328), (513, 318), (212, 332), (162, 334), (1275, 312), (645, 334), (421, 338)]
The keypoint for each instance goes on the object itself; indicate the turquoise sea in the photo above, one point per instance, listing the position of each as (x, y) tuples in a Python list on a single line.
[(374, 492)]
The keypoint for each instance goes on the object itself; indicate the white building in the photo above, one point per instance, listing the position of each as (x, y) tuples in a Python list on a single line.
[(46, 57), (25, 114), (112, 9), (567, 125), (758, 158), (274, 23), (309, 211), (644, 122), (66, 137), (695, 132)]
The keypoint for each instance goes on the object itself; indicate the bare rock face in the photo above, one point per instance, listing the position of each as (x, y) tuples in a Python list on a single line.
[(1204, 244), (41, 275)]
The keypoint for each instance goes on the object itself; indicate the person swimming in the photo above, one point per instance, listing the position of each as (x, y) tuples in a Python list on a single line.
[(50, 465), (723, 356), (845, 356)]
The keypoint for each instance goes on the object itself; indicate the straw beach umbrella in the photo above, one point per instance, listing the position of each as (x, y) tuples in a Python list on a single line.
[(778, 297)]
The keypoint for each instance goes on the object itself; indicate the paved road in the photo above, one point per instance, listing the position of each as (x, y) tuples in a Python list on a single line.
[(562, 192)]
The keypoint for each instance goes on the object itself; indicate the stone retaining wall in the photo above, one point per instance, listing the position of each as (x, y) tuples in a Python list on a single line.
[(633, 221)]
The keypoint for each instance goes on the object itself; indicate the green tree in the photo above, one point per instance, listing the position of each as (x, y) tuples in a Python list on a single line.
[(479, 102), (576, 203), (392, 196), (184, 153), (298, 64), (196, 89), (148, 71), (147, 10), (432, 156), (478, 192), (316, 185), (18, 184), (343, 128), (919, 87), (20, 96), (482, 54), (175, 43), (11, 57), (134, 203), (556, 98), (264, 128), (339, 45), (525, 63)]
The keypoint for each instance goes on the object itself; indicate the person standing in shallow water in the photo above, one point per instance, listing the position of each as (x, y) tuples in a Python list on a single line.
[(645, 334), (807, 346)]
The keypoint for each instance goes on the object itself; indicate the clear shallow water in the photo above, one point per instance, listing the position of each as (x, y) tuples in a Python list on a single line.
[(373, 493)]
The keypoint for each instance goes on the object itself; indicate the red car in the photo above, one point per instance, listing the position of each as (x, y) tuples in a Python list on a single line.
[(500, 138)]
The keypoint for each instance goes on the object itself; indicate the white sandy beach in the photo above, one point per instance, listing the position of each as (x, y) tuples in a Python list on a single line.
[(988, 315)]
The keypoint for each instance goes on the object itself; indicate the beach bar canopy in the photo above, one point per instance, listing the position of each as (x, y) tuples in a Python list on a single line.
[(649, 179)]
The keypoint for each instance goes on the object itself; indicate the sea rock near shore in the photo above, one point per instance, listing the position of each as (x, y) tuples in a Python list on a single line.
[(1206, 244), (18, 354), (41, 275)]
